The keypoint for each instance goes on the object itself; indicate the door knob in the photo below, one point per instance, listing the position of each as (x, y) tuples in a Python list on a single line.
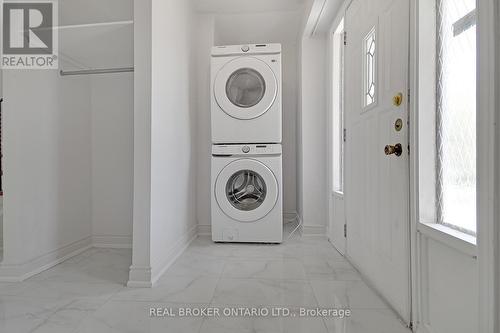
[(394, 150)]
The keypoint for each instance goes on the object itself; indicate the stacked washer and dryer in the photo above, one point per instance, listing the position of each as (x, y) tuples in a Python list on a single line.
[(246, 110)]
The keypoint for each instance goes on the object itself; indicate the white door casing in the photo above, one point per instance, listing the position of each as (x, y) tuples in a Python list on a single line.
[(336, 206), (377, 186)]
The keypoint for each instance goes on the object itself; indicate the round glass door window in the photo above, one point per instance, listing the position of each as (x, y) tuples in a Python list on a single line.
[(246, 190), (245, 88)]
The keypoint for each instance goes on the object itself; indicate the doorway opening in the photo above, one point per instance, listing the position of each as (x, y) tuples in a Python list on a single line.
[(377, 203), (337, 223)]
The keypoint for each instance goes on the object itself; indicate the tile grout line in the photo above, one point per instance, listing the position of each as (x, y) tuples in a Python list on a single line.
[(215, 291), (317, 302), (88, 315)]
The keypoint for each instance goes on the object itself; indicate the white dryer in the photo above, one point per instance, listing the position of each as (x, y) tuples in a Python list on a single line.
[(247, 193), (246, 94)]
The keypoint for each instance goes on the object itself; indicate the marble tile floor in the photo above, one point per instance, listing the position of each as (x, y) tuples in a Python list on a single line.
[(87, 293)]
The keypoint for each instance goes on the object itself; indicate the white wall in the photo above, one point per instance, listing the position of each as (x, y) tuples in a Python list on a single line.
[(497, 285), (204, 39), (47, 169), (84, 44), (1, 199), (112, 137), (164, 185), (227, 28), (448, 289), (313, 135), (273, 27), (173, 133), (94, 11), (312, 144), (298, 141), (58, 133), (140, 271)]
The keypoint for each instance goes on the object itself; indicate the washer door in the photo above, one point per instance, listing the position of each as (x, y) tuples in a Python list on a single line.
[(245, 88), (246, 190)]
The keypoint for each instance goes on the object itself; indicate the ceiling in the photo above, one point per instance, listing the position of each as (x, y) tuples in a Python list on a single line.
[(247, 6), (322, 15)]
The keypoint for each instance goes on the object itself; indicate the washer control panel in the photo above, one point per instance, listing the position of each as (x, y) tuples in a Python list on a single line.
[(249, 149)]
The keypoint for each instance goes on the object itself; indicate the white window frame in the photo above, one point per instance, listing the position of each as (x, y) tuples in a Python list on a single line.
[(487, 249), (423, 140), (488, 168), (470, 21)]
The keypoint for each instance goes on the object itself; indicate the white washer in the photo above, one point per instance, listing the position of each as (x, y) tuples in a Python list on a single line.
[(247, 193), (246, 94)]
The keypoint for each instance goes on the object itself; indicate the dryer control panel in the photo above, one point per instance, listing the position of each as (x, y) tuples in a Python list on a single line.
[(246, 149), (234, 50)]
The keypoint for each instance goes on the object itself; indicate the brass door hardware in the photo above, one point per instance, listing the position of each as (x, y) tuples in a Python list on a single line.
[(394, 150), (398, 125), (398, 99)]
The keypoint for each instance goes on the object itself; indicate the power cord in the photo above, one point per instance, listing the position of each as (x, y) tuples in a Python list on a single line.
[(299, 225)]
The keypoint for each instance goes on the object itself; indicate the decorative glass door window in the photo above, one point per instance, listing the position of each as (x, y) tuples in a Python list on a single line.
[(370, 84), (456, 114)]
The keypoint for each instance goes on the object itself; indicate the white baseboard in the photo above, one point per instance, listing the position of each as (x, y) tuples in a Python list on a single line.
[(112, 242), (424, 328), (289, 217), (204, 230), (311, 230), (21, 272), (146, 277), (175, 252), (140, 277), (314, 231)]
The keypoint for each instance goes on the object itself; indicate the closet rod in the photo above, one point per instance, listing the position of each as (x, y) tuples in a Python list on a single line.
[(97, 71)]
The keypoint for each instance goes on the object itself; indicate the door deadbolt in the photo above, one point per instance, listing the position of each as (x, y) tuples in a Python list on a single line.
[(398, 125), (394, 150), (398, 99)]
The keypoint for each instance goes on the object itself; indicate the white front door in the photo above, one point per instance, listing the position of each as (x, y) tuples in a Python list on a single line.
[(376, 109)]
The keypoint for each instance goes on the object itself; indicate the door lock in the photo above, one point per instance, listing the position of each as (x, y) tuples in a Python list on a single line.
[(397, 100), (398, 125), (394, 150)]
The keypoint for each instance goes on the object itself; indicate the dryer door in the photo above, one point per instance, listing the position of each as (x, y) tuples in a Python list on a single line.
[(246, 190), (245, 88)]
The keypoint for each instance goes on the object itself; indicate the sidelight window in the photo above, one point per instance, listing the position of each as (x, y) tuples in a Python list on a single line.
[(337, 122), (456, 114)]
